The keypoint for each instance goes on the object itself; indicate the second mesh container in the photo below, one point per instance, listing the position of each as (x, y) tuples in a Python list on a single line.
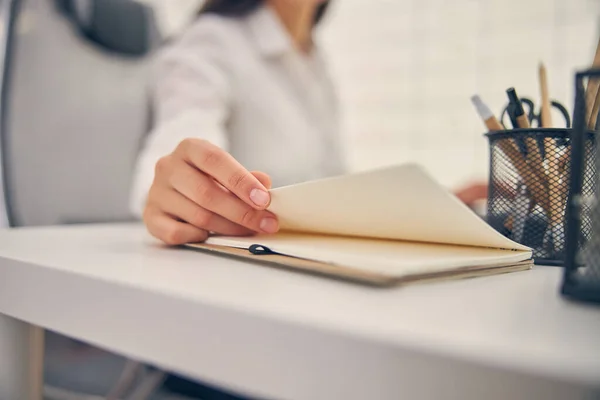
[(529, 185)]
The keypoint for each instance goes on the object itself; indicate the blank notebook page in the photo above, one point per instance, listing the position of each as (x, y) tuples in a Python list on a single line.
[(401, 202)]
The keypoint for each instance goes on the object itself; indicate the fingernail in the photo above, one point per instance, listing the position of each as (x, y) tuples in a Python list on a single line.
[(269, 225), (259, 197)]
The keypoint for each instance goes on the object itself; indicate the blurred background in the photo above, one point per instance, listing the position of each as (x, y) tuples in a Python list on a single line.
[(406, 70)]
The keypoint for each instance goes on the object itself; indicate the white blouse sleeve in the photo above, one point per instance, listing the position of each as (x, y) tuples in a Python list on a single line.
[(191, 95)]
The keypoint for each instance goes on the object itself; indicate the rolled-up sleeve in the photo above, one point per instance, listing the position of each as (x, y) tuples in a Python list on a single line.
[(190, 95)]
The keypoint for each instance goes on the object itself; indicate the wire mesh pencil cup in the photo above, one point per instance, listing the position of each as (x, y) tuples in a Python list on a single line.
[(528, 195), (581, 279)]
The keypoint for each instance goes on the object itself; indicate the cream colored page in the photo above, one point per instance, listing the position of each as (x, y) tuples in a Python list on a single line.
[(392, 258), (401, 202)]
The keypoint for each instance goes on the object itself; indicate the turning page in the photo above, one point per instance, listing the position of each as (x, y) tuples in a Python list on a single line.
[(394, 221), (398, 203)]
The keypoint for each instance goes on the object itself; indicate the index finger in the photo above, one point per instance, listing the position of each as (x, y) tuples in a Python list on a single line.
[(226, 170)]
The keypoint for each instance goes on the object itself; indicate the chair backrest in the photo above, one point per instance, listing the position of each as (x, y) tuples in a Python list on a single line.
[(75, 108)]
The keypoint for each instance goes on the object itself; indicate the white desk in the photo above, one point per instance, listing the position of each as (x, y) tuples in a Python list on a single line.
[(280, 334)]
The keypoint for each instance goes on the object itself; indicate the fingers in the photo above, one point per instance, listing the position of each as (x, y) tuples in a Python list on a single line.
[(473, 193), (203, 191), (221, 166), (263, 178), (171, 231), (186, 210), (199, 189)]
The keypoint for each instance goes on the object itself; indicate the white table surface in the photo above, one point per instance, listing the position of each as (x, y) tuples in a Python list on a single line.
[(281, 334)]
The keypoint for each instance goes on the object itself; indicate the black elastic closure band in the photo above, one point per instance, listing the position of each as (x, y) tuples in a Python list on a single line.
[(258, 249)]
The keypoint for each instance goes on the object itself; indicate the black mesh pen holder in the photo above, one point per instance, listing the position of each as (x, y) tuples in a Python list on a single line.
[(582, 260), (529, 186)]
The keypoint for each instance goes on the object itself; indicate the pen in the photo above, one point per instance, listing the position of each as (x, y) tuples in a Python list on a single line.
[(512, 116), (517, 107), (520, 142), (533, 152)]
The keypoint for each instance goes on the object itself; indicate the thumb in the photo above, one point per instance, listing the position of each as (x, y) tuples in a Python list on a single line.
[(263, 178)]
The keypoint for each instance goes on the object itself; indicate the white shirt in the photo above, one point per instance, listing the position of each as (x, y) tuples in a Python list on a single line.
[(240, 83), (173, 16)]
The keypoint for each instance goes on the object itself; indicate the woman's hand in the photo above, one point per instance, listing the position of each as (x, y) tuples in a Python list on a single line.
[(199, 189), (472, 193)]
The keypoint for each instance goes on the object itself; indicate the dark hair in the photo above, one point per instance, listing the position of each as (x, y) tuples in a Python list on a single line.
[(237, 8)]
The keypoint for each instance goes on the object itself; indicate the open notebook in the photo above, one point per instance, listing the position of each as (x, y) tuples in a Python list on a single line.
[(386, 226)]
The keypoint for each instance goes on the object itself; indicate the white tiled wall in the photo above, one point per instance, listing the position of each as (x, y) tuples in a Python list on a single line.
[(407, 68)]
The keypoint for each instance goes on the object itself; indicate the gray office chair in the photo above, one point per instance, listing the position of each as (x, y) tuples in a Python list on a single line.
[(75, 108)]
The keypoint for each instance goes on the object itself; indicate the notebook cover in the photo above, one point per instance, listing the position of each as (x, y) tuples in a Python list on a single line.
[(354, 275)]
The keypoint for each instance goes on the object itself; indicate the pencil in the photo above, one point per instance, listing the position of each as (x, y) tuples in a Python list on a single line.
[(546, 106), (595, 110), (591, 92), (564, 170), (555, 191), (533, 152), (488, 117), (510, 149)]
